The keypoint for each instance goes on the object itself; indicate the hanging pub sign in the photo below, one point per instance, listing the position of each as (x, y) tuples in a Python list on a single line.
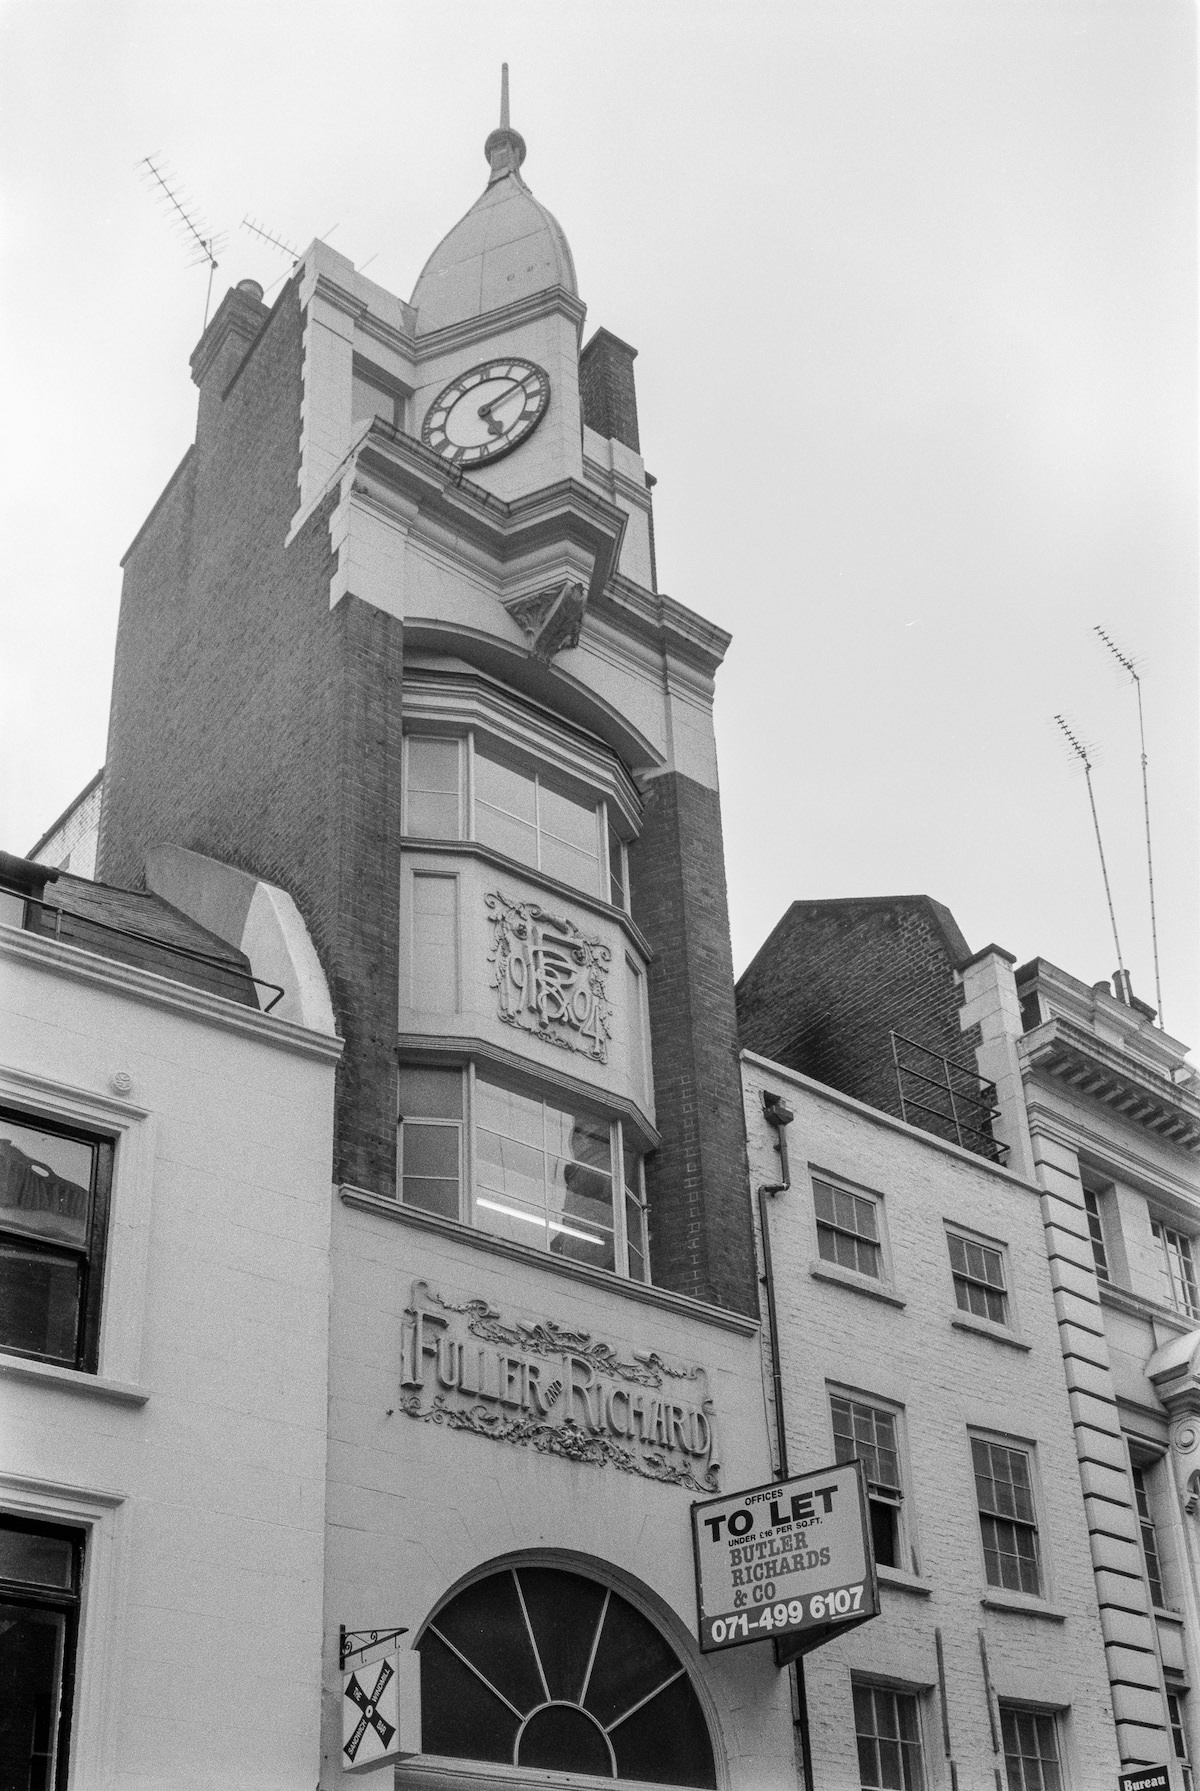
[(1146, 1778), (381, 1711), (790, 1562)]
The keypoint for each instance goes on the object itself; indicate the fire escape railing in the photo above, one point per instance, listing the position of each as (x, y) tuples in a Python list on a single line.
[(966, 1101)]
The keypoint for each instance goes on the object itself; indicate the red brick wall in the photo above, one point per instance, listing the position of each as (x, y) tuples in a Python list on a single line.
[(700, 1241), (835, 977), (607, 391), (252, 723)]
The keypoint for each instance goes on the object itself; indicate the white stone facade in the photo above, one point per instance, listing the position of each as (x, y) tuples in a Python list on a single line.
[(193, 1460)]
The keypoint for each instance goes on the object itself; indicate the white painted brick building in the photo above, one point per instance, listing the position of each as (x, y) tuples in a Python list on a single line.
[(975, 1668)]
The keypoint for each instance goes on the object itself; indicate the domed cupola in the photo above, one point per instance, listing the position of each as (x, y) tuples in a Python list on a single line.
[(508, 247)]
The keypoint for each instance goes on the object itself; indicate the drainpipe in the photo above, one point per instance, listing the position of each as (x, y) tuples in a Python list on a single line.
[(779, 1115)]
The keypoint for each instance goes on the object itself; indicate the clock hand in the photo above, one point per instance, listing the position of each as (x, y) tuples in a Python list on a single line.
[(485, 410)]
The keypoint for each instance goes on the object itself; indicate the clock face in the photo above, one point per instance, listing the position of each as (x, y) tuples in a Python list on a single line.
[(486, 411)]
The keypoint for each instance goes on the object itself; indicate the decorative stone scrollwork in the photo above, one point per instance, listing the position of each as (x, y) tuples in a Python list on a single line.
[(568, 1440), (1185, 1438), (558, 1390), (551, 619), (550, 978), (545, 1338)]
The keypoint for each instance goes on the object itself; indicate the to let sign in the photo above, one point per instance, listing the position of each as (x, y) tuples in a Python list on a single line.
[(790, 1562)]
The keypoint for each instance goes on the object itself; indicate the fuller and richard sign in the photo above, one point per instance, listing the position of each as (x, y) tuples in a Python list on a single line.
[(557, 1389), (790, 1562)]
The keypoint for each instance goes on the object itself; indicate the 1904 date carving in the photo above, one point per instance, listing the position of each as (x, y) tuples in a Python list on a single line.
[(550, 979)]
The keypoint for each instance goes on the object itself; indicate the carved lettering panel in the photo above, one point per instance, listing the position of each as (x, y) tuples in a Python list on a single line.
[(550, 980), (562, 1392)]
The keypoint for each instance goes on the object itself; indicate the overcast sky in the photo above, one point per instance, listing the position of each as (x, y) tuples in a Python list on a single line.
[(913, 286)]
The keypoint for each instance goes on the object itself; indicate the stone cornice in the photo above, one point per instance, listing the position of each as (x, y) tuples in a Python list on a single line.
[(505, 317), (1100, 1145), (1069, 999), (610, 479), (69, 961), (663, 621), (681, 1305), (1133, 1092), (515, 1063), (394, 470), (1123, 1299), (320, 284)]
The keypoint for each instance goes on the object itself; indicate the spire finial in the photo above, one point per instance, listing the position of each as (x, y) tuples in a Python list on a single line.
[(505, 148)]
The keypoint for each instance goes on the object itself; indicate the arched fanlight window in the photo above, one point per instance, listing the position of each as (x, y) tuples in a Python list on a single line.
[(534, 1667)]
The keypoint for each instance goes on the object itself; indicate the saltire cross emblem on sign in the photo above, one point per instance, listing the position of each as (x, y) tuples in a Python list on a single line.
[(369, 1710)]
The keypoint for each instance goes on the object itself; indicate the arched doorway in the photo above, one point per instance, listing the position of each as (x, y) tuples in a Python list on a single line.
[(537, 1667)]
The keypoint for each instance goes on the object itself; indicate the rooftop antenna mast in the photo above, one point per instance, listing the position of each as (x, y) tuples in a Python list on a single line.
[(204, 243), (1127, 664), (1080, 752), (276, 242)]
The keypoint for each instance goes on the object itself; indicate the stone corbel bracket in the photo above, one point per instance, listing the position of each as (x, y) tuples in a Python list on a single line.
[(550, 619)]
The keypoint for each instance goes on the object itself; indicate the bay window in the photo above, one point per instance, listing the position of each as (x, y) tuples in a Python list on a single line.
[(540, 1170), (474, 787)]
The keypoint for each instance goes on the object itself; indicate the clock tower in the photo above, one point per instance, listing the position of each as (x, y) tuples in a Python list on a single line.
[(391, 642)]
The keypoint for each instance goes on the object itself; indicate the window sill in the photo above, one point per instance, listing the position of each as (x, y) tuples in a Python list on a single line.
[(901, 1581), (1024, 1604), (986, 1327), (820, 1270), (72, 1380)]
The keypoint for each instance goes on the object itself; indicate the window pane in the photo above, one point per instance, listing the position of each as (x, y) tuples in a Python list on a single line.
[(33, 1645), (430, 1149), (616, 871), (505, 788), (369, 399), (889, 1740), (1149, 1538), (1030, 1750), (430, 1094), (40, 1298), (1096, 1233), (869, 1433), (847, 1229), (580, 869), (506, 1166), (580, 1193), (636, 1238), (515, 839), (636, 1022), (563, 818), (434, 782), (45, 1183), (430, 1167), (37, 1560), (606, 1667)]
